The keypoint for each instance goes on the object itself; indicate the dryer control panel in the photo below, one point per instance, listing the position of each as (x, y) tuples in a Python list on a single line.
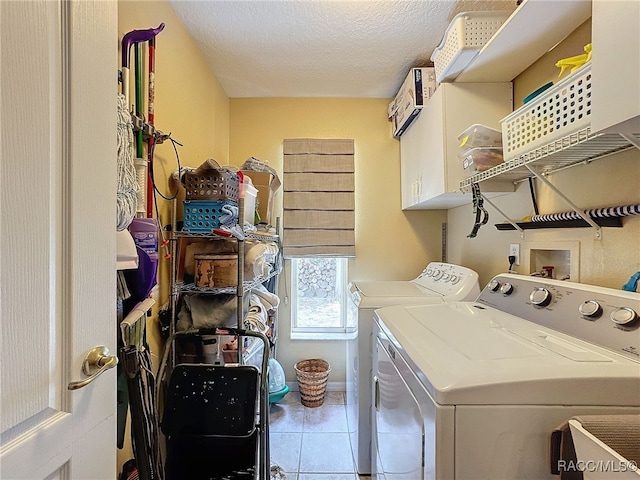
[(453, 282), (603, 316)]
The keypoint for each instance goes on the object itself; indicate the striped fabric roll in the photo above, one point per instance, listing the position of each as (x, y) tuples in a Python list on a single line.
[(621, 211)]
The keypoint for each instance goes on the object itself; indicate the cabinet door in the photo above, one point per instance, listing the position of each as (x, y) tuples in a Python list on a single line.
[(616, 66), (432, 170), (421, 141)]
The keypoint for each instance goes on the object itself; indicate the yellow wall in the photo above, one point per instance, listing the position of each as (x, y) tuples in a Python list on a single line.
[(390, 244), (607, 182), (190, 103)]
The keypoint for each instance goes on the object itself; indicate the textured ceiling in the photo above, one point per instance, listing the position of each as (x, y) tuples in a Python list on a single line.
[(319, 48)]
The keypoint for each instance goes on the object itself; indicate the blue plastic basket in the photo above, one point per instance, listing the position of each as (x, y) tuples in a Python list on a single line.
[(202, 215)]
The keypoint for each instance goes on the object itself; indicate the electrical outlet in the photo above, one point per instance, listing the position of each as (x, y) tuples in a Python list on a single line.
[(514, 249)]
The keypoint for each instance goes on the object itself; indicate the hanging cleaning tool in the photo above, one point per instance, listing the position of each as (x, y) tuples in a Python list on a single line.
[(137, 38), (151, 142), (126, 191), (574, 62), (141, 389), (140, 160), (150, 120), (129, 39)]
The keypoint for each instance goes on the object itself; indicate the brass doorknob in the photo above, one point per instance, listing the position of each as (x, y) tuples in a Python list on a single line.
[(95, 363)]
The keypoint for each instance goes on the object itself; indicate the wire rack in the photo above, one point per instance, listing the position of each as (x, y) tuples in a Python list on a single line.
[(578, 148), (191, 288)]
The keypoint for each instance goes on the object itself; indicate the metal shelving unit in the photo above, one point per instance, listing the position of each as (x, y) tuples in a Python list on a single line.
[(179, 288)]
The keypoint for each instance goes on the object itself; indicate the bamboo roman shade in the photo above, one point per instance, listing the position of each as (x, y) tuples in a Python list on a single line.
[(318, 198)]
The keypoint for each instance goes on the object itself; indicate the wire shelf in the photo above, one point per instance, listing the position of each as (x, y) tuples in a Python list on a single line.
[(182, 287), (577, 148), (247, 236)]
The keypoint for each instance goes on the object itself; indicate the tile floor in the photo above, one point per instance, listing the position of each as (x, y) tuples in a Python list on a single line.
[(312, 443)]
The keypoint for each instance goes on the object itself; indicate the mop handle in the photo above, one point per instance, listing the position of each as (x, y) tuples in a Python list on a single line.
[(134, 36), (151, 120)]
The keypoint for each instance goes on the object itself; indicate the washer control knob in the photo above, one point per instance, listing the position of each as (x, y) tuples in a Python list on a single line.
[(540, 297), (506, 289), (494, 285), (454, 279), (624, 316), (590, 309), (437, 274), (445, 277)]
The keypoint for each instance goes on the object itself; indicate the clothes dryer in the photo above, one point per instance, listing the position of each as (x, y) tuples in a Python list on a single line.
[(469, 390), (438, 282)]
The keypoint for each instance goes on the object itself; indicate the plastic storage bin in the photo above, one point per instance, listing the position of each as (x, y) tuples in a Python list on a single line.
[(480, 159), (204, 216), (465, 36), (557, 112), (480, 136), (211, 185), (249, 193)]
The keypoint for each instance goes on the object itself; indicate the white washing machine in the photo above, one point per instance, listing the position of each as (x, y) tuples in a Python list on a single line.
[(438, 282), (473, 390)]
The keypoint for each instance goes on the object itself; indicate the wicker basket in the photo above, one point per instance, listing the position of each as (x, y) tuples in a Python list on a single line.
[(312, 376)]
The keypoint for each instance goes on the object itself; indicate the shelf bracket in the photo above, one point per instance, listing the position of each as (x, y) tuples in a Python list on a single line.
[(631, 139), (573, 206), (515, 225)]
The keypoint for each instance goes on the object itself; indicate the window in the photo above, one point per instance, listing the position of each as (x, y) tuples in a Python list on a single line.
[(319, 298), (318, 234)]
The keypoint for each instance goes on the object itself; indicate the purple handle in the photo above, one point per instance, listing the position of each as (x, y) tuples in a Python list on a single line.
[(137, 36)]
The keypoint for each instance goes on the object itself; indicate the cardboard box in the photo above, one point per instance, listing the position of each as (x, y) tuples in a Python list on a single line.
[(417, 88), (263, 182)]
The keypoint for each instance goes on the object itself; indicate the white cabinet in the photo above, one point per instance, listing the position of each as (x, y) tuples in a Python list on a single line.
[(616, 66), (431, 171)]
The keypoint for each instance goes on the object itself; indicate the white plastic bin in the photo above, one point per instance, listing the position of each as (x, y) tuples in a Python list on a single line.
[(465, 36), (479, 159), (249, 193), (480, 136), (557, 112)]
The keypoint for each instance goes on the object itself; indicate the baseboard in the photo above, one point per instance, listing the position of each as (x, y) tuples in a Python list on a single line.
[(331, 386)]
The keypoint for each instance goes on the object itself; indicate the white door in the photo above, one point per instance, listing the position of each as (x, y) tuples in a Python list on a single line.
[(57, 236)]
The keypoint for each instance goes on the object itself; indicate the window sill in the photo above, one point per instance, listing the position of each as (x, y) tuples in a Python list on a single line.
[(323, 336)]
